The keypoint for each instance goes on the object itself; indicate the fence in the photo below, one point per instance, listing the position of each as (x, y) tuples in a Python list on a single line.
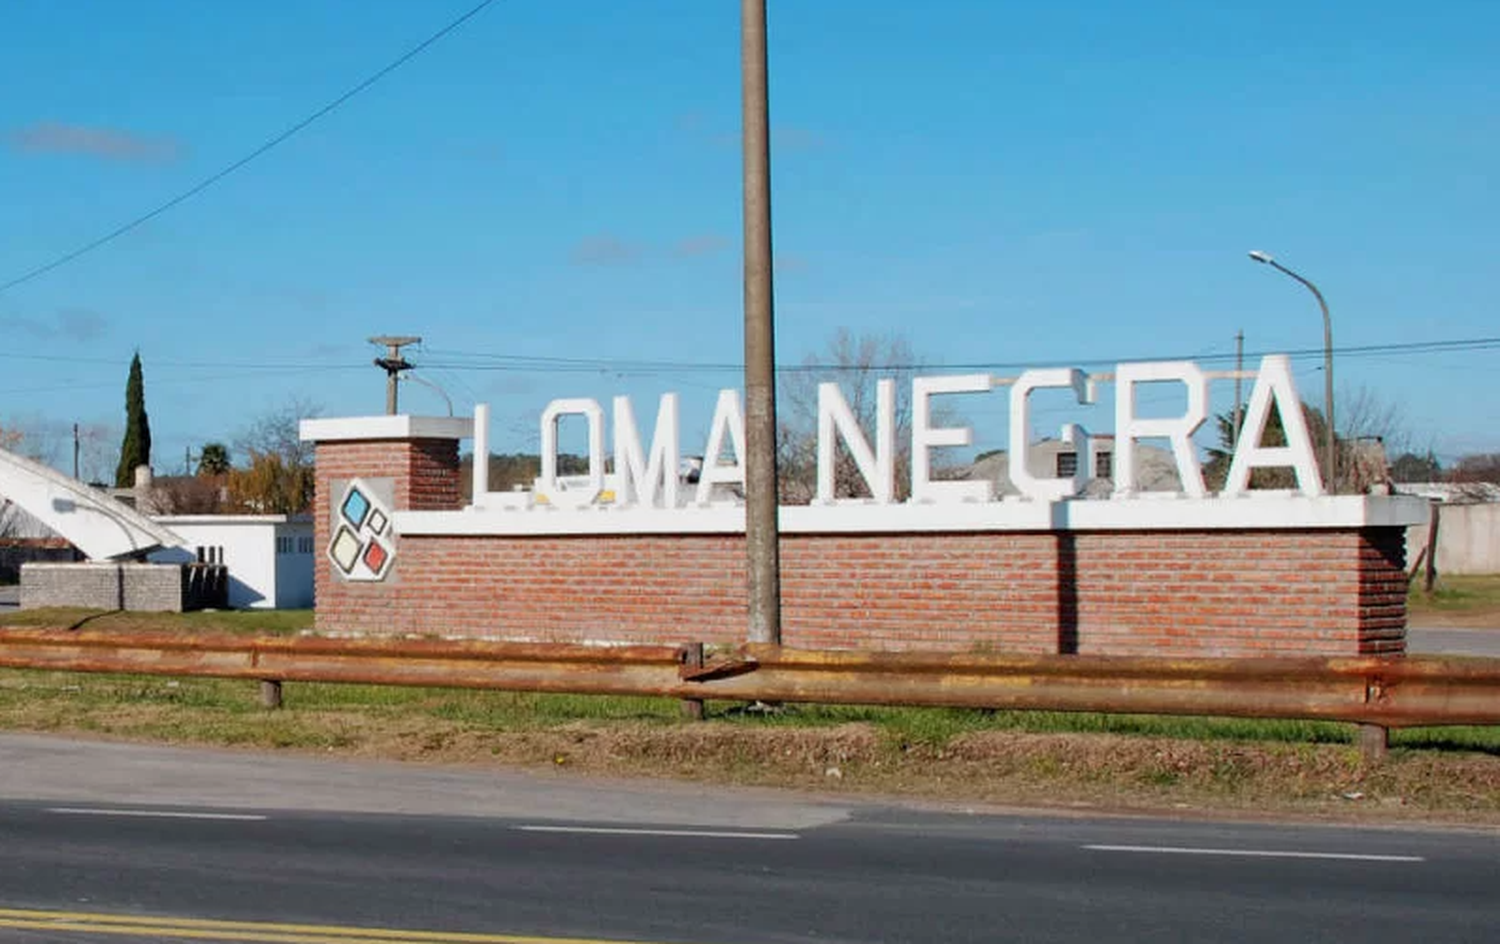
[(1468, 539), (1376, 693)]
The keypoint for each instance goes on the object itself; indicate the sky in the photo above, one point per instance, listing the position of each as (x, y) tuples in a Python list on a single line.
[(550, 197)]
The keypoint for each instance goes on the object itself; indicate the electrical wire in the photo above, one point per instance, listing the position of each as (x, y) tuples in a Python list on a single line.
[(212, 179), (482, 361)]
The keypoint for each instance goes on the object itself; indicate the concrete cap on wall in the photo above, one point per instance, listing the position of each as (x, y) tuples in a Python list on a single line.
[(357, 428)]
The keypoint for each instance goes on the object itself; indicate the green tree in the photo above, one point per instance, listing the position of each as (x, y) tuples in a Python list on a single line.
[(1217, 468), (1411, 467), (136, 448), (213, 459), (270, 486)]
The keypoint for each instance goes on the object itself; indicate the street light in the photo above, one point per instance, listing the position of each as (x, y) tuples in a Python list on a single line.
[(1330, 447)]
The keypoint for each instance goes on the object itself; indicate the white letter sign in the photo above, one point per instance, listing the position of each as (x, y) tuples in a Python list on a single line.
[(835, 418), (729, 420), (925, 436), (1178, 430), (547, 484), (1274, 382), (1038, 487), (638, 480)]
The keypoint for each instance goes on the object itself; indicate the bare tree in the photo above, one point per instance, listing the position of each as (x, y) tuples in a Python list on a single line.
[(856, 362), (1478, 467), (276, 433)]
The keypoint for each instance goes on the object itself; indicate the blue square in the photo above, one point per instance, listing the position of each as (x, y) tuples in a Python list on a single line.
[(356, 507)]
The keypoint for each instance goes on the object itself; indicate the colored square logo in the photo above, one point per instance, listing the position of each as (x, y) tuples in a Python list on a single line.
[(364, 540), (345, 550), (376, 556), (356, 506)]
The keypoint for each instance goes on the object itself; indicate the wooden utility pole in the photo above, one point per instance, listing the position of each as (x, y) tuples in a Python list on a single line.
[(393, 364)]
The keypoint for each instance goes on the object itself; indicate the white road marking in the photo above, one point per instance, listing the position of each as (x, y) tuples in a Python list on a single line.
[(154, 814), (676, 833), (1259, 853)]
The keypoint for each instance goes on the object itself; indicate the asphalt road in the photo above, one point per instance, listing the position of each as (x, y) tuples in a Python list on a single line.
[(622, 862)]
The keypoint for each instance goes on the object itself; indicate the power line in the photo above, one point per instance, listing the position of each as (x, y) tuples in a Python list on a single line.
[(209, 181), (523, 363), (480, 361)]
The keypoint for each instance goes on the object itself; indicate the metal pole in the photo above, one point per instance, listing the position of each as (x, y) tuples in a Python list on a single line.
[(762, 537), (1330, 444), (1330, 441)]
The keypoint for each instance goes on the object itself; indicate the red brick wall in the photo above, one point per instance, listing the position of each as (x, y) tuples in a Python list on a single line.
[(1166, 593), (425, 475)]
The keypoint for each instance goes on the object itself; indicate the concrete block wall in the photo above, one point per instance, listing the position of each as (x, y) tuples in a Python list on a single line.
[(1323, 592), (107, 585), (1468, 539)]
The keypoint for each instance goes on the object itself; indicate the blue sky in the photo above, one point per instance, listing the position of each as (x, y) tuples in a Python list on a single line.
[(999, 183)]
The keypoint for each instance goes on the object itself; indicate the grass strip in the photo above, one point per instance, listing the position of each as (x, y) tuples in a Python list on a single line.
[(952, 755)]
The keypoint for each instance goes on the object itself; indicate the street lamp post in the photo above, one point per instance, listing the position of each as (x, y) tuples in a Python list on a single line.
[(1330, 443)]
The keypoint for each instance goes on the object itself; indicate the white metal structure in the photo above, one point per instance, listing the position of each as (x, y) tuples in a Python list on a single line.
[(95, 523)]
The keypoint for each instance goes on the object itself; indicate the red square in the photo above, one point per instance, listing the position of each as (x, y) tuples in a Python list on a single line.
[(376, 556)]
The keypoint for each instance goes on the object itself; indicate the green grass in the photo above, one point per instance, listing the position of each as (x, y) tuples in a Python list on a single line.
[(249, 622), (1456, 594)]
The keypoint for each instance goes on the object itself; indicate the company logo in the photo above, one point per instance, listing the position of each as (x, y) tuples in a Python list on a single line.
[(363, 545)]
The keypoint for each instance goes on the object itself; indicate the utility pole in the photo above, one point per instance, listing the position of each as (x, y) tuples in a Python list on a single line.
[(762, 530), (75, 452), (393, 364), (1239, 398)]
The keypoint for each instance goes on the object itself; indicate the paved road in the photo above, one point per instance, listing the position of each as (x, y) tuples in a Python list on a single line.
[(96, 836), (1453, 642)]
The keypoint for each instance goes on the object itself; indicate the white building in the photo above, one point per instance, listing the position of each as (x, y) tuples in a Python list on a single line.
[(270, 557)]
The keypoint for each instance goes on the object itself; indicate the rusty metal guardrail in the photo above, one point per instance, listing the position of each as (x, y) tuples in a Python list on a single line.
[(1379, 692)]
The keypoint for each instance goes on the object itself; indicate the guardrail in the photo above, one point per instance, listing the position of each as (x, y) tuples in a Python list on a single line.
[(1377, 693)]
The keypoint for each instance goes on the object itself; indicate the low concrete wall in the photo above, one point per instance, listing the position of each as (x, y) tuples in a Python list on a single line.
[(125, 586), (1468, 539)]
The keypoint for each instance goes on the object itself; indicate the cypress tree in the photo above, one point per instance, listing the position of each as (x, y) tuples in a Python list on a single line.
[(136, 448)]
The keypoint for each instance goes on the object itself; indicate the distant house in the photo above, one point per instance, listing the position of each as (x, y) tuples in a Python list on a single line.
[(1155, 469), (270, 557)]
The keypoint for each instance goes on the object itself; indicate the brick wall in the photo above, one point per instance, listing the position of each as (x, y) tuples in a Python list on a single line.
[(425, 477), (1171, 593)]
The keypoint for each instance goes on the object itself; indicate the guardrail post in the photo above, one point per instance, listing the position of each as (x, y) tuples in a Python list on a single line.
[(1374, 742), (270, 693), (692, 656)]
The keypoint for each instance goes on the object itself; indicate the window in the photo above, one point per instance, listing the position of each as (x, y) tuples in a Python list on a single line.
[(1104, 465), (1067, 465), (304, 545), (284, 545)]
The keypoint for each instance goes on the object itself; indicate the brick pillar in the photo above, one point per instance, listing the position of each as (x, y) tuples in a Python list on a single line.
[(417, 458)]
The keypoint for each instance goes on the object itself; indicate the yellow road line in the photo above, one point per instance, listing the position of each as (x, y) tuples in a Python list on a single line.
[(257, 932)]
